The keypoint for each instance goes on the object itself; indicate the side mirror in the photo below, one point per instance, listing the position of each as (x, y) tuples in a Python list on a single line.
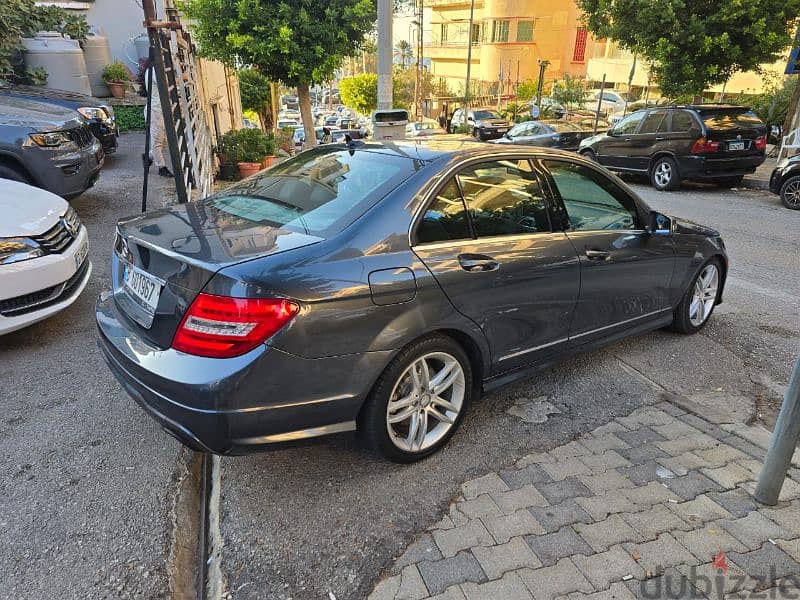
[(659, 224), (611, 132), (470, 119)]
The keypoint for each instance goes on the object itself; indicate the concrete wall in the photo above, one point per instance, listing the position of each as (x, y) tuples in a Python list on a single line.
[(120, 21)]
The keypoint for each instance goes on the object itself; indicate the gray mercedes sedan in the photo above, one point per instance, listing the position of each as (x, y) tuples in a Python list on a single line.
[(380, 287)]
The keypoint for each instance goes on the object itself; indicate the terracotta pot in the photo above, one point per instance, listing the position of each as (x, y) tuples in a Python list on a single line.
[(247, 168), (228, 171), (117, 88), (268, 162)]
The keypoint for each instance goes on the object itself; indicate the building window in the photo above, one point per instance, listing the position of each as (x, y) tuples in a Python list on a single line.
[(524, 31), (499, 31), (443, 37), (476, 34), (579, 55)]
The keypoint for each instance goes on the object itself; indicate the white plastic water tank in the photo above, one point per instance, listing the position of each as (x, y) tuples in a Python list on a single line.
[(62, 58), (97, 55), (142, 45)]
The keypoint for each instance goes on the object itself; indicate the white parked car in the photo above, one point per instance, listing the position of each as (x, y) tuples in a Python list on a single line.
[(613, 101), (44, 255)]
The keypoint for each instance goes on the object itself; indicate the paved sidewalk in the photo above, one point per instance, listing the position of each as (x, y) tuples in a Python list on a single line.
[(653, 505), (760, 179)]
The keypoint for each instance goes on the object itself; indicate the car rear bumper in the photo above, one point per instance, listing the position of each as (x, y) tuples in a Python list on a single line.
[(703, 167), (237, 405)]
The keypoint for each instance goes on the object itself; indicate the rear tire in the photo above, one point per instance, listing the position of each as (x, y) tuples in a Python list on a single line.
[(14, 174), (729, 182), (416, 397), (697, 304), (790, 193), (664, 175)]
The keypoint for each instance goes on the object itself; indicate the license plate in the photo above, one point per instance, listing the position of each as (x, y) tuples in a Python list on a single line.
[(502, 130), (80, 254), (735, 145), (142, 288)]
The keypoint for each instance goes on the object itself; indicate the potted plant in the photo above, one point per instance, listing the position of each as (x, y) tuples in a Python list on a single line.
[(116, 76), (228, 153), (253, 147)]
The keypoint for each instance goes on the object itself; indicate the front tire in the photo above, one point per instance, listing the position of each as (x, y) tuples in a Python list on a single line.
[(419, 401), (790, 193), (664, 175), (697, 305)]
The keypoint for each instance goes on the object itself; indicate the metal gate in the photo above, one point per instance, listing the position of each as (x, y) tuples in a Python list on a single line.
[(173, 57)]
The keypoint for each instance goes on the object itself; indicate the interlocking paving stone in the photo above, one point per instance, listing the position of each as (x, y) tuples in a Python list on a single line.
[(719, 456), (698, 511), (610, 459), (691, 485), (672, 585), (645, 416), (755, 434), (658, 555), (554, 546), (785, 589), (640, 437), (737, 502), (614, 530), (441, 574), (610, 427), (599, 507), (535, 458), (617, 591), (652, 523), (569, 450), (752, 465), (559, 491), (567, 467), (791, 547), (444, 523), (790, 490), (642, 454), (510, 587), (683, 463), (597, 444), (729, 476), (687, 443), (490, 482), (752, 530), (424, 548), (482, 506), (650, 494), (516, 478), (514, 554), (456, 516), (674, 430), (520, 498), (669, 408), (503, 528), (706, 542), (452, 593), (710, 582), (787, 517), (745, 446), (451, 541), (644, 473), (408, 585), (767, 564), (607, 567), (551, 582), (606, 481), (554, 517)]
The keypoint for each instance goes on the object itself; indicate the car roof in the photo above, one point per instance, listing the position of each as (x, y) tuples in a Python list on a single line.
[(433, 149)]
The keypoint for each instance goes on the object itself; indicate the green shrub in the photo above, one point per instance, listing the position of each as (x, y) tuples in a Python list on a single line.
[(464, 128), (130, 118), (116, 71), (245, 145)]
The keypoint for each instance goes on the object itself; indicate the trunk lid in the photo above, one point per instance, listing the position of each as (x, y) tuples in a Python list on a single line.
[(170, 255), (736, 129)]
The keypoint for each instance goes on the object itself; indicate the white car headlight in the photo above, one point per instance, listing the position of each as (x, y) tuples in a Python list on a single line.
[(51, 139), (90, 112), (14, 250)]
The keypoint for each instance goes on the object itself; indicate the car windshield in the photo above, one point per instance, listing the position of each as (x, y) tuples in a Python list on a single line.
[(725, 120), (319, 192), (486, 114)]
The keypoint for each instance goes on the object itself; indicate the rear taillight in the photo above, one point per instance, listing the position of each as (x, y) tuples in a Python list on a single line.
[(761, 143), (222, 327), (704, 146)]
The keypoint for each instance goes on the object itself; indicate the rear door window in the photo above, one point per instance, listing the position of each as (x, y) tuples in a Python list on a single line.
[(446, 217), (683, 121), (655, 122)]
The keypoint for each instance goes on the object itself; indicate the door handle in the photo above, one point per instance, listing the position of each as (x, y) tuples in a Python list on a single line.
[(628, 139), (477, 263), (597, 255), (660, 139)]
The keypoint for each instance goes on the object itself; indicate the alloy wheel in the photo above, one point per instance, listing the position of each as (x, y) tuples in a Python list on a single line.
[(663, 174), (704, 295), (425, 402), (791, 193)]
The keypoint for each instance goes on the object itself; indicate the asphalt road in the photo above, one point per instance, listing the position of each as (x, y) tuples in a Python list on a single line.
[(87, 480), (302, 523), (85, 476)]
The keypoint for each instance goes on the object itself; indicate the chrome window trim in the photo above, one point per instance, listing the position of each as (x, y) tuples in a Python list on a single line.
[(618, 323), (534, 349), (482, 240)]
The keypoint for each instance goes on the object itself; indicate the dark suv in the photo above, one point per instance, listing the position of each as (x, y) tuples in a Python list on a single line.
[(486, 124), (708, 142)]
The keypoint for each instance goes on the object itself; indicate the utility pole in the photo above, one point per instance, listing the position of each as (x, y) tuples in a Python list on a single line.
[(418, 86), (467, 92), (385, 54), (543, 64)]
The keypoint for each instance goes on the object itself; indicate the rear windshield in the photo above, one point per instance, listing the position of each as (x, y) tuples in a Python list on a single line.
[(319, 192), (724, 120)]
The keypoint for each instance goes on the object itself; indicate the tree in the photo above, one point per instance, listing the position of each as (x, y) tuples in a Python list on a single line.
[(773, 105), (404, 52), (294, 41), (570, 91), (694, 45), (256, 95), (360, 92)]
